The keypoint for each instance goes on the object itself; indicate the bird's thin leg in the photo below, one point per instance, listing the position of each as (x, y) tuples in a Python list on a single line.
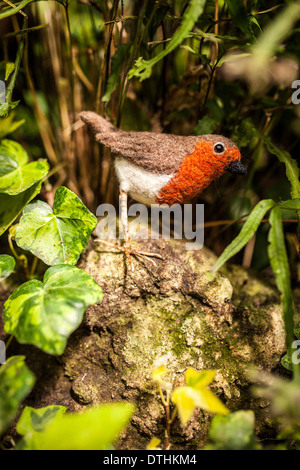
[(126, 248), (124, 221)]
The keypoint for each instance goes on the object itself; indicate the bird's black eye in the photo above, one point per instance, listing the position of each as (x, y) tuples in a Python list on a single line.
[(219, 147)]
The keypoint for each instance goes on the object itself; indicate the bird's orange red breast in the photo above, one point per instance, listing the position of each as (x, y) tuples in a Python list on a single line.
[(196, 172)]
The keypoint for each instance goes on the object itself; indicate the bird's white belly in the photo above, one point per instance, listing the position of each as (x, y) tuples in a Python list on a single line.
[(142, 185)]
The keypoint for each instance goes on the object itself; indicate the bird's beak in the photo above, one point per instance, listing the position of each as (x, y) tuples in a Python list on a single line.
[(237, 167)]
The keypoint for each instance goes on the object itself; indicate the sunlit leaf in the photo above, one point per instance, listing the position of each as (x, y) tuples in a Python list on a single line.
[(46, 313), (158, 374), (16, 174), (8, 125), (34, 421), (188, 399), (16, 381), (7, 265), (153, 444), (56, 236), (95, 429), (11, 206), (201, 379)]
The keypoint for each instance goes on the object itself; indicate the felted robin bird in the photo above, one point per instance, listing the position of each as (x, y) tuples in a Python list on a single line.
[(156, 168)]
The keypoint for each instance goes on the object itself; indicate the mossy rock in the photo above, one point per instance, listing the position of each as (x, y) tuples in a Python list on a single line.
[(174, 313)]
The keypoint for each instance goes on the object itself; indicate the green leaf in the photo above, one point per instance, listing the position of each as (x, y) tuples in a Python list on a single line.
[(280, 265), (95, 429), (8, 126), (233, 432), (158, 373), (287, 363), (16, 381), (9, 68), (240, 17), (292, 170), (11, 206), (292, 204), (33, 422), (117, 63), (297, 330), (201, 379), (247, 232), (7, 265), (13, 11), (275, 33), (206, 125), (46, 313), (6, 107), (16, 174), (188, 399), (143, 68), (197, 395), (56, 236)]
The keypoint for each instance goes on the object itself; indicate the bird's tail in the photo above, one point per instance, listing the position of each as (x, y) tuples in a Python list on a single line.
[(97, 123)]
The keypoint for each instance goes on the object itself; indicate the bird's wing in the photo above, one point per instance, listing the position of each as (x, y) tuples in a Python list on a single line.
[(159, 153)]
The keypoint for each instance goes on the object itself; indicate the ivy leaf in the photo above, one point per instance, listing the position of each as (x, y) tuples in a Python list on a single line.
[(233, 432), (56, 236), (201, 379), (247, 232), (7, 265), (16, 174), (158, 374), (8, 125), (46, 313), (188, 399), (196, 395), (11, 206), (153, 444), (16, 381), (95, 429), (286, 362), (34, 421)]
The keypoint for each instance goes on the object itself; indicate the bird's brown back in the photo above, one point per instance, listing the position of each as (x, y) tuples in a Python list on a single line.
[(159, 153)]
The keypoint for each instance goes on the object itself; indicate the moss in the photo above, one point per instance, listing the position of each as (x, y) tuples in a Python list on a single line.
[(173, 314)]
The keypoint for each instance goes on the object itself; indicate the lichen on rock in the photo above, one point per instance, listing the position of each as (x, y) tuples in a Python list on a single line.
[(175, 313)]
